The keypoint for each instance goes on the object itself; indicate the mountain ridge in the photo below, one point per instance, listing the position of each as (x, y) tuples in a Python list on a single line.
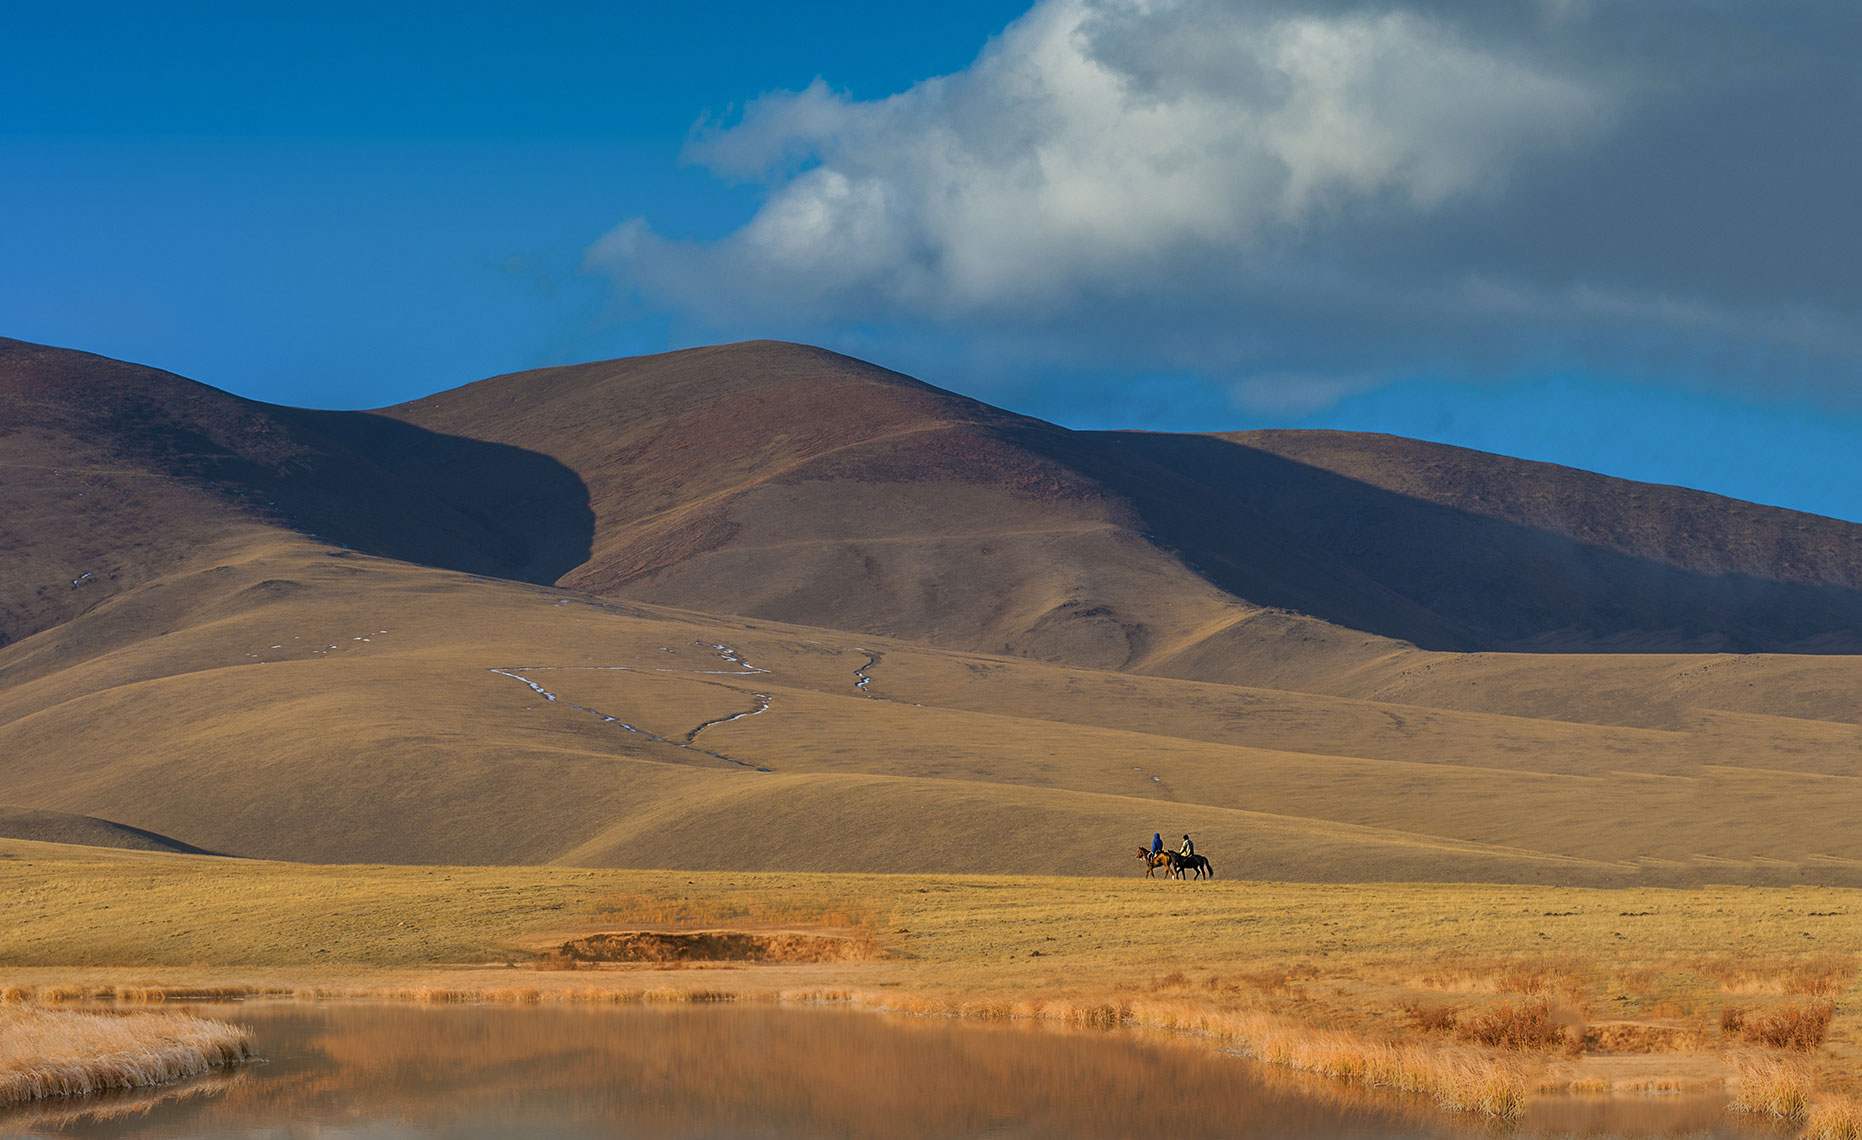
[(763, 607)]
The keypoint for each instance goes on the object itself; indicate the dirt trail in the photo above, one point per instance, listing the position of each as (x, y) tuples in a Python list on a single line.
[(745, 669)]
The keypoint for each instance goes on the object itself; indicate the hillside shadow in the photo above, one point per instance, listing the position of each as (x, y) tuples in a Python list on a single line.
[(381, 486), (1281, 533), (459, 503)]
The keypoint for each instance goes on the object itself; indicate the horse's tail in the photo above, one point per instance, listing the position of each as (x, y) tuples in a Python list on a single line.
[(1208, 866)]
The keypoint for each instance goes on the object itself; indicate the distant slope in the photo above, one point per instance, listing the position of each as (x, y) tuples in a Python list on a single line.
[(1539, 556), (794, 484), (801, 594), (115, 474), (64, 827), (356, 709), (791, 483)]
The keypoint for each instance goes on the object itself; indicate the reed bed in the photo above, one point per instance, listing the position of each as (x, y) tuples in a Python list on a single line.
[(45, 1053), (1457, 1078), (1833, 1118)]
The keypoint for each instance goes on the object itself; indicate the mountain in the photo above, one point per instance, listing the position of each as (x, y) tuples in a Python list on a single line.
[(795, 484), (763, 606), (116, 473)]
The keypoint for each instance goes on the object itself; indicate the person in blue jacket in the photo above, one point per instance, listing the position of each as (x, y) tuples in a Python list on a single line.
[(1157, 843)]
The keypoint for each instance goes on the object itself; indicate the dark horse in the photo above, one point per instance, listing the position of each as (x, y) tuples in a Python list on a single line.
[(1196, 863)]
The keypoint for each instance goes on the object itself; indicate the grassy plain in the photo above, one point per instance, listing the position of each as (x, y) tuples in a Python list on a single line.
[(256, 707), (1432, 987)]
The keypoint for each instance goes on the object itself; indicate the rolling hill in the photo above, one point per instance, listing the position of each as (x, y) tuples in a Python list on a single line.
[(762, 606)]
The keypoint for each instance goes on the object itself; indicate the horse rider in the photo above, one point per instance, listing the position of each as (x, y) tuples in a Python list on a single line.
[(1188, 849), (1157, 843)]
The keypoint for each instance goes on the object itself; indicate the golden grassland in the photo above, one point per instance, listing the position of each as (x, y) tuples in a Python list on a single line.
[(46, 1053), (1478, 996), (281, 700)]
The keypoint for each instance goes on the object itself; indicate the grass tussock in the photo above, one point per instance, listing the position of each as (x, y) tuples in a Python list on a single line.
[(1801, 1026), (1833, 1118), (46, 1053), (1770, 1085)]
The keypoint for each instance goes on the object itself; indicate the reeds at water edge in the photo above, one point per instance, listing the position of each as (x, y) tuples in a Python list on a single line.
[(46, 1053)]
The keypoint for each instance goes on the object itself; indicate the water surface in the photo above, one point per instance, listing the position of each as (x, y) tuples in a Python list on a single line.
[(388, 1072)]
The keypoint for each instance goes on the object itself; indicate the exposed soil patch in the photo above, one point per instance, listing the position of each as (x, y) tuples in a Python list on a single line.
[(716, 946)]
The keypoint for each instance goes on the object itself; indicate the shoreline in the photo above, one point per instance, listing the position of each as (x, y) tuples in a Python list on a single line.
[(1454, 1077), (1476, 995)]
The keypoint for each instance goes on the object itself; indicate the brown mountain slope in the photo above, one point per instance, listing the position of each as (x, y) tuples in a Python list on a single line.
[(1545, 556), (794, 484), (248, 689), (115, 474), (791, 483)]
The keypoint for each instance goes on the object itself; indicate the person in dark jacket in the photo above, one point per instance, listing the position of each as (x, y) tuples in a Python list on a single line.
[(1157, 843)]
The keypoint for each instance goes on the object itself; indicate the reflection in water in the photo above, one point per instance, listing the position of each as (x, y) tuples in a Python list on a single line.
[(391, 1071)]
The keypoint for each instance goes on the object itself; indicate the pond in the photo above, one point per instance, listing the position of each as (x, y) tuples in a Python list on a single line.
[(386, 1071)]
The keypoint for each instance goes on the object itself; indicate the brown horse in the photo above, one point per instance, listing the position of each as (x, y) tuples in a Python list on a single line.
[(1153, 862)]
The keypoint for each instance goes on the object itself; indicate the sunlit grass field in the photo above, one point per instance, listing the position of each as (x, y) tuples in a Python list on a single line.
[(1444, 989)]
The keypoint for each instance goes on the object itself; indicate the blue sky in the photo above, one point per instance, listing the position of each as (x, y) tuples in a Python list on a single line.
[(1620, 237)]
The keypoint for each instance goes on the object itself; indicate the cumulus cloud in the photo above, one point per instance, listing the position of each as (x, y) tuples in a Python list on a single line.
[(1290, 199)]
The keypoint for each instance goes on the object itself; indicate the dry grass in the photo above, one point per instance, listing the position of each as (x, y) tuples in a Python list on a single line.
[(1772, 1085), (1816, 975), (1635, 1037), (1834, 1118), (1563, 976), (807, 908), (662, 947), (1456, 1078), (1521, 1027), (1461, 1079), (1801, 1026), (1326, 979), (961, 753), (1433, 1018), (47, 1053)]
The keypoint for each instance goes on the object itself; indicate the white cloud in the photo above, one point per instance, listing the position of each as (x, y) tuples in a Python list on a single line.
[(1283, 202), (1100, 148)]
